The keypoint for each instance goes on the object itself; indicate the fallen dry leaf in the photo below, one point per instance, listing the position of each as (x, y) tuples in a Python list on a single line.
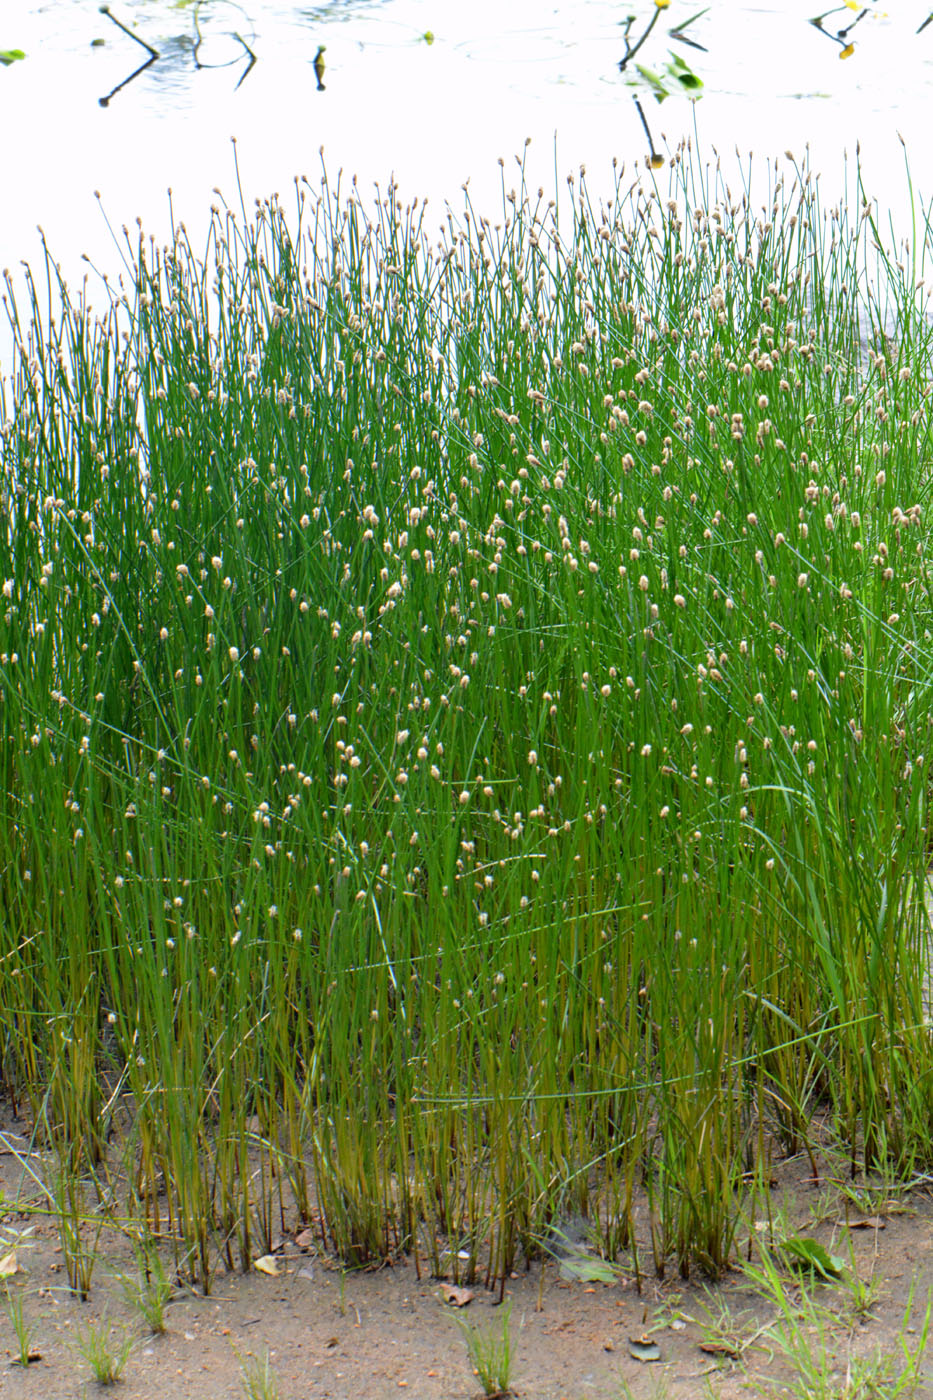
[(457, 1297), (31, 1357), (305, 1240), (719, 1349), (268, 1264), (8, 1264), (644, 1349), (871, 1222)]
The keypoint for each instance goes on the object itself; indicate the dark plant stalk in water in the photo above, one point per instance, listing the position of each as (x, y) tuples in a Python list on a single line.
[(154, 53)]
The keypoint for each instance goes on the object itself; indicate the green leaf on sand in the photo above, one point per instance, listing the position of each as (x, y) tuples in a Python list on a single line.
[(583, 1267), (805, 1253)]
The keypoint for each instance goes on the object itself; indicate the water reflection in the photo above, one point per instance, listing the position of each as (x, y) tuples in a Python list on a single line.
[(336, 10), (655, 159), (222, 35), (678, 33), (434, 92), (843, 36), (652, 41), (241, 45), (181, 52), (153, 56)]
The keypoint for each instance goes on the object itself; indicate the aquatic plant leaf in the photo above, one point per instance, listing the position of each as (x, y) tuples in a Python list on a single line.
[(657, 85), (683, 75), (675, 33), (577, 1261), (807, 1253), (587, 1268), (8, 56)]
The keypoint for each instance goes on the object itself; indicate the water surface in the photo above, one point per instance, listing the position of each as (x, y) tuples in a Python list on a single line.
[(431, 90)]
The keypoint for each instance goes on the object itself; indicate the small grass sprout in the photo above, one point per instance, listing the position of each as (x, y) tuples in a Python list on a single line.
[(491, 1352), (810, 1336), (258, 1380), (659, 1391), (861, 1292), (106, 1348), (26, 1350), (78, 1232), (149, 1291), (730, 1333)]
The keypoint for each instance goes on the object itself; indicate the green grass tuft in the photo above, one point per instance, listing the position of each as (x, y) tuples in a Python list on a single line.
[(466, 705)]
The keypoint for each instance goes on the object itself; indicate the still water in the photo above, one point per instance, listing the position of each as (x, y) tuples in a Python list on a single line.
[(149, 95)]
